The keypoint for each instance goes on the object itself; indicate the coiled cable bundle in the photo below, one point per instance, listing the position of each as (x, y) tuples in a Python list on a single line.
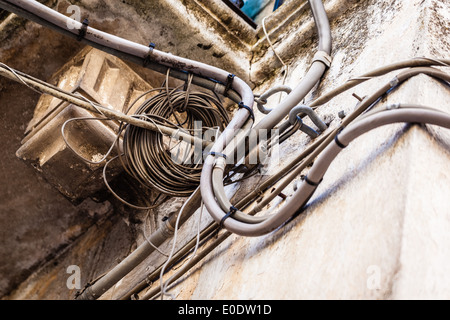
[(149, 156)]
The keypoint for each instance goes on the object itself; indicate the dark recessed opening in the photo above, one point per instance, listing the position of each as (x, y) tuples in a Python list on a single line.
[(3, 15)]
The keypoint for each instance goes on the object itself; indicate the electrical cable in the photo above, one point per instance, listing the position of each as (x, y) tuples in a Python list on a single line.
[(148, 239), (297, 161), (148, 160), (207, 233), (285, 66), (411, 63), (273, 221), (434, 113), (46, 88), (205, 75), (267, 183), (262, 99), (138, 53), (165, 284), (318, 67), (268, 122), (103, 158)]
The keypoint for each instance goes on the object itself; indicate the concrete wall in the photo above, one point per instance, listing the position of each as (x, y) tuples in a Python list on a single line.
[(376, 228)]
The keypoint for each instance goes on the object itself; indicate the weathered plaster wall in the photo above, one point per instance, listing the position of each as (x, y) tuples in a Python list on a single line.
[(39, 227), (381, 213)]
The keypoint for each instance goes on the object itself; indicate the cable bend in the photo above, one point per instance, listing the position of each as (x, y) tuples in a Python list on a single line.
[(208, 179), (403, 113), (293, 114), (262, 100)]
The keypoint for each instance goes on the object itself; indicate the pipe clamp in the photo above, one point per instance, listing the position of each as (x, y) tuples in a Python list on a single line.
[(323, 57)]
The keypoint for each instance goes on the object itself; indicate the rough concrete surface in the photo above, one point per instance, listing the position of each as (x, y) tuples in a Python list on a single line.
[(376, 228)]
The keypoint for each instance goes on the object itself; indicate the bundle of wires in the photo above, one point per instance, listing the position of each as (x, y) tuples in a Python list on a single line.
[(148, 155)]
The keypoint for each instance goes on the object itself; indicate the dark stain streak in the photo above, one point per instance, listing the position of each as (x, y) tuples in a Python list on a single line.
[(177, 64), (218, 55)]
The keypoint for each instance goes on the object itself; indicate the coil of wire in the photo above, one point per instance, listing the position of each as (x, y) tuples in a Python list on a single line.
[(148, 156)]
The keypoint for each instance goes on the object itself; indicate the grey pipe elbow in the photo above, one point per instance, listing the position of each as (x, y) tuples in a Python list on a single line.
[(262, 100), (310, 113)]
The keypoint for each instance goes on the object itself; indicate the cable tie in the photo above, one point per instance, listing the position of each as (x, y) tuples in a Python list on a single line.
[(82, 31), (150, 52), (311, 183), (225, 217), (218, 154), (242, 105), (339, 143), (228, 84)]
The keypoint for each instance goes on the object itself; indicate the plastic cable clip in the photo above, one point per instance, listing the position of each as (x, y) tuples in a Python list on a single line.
[(82, 31), (393, 106), (394, 82), (228, 84), (242, 105), (323, 57)]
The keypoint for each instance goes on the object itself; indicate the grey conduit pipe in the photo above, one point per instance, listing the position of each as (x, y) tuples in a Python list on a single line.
[(149, 57), (139, 53), (247, 198), (411, 63), (293, 116), (315, 175), (274, 221), (211, 184), (392, 114), (354, 130), (416, 115), (321, 62), (204, 75)]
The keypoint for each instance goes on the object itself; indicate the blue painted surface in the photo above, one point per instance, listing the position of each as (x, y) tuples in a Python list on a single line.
[(252, 7)]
